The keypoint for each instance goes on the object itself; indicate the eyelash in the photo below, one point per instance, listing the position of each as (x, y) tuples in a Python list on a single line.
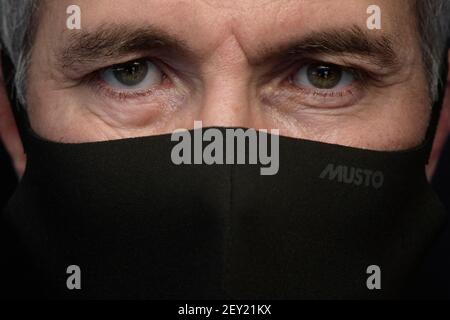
[(105, 89), (362, 78), (95, 81)]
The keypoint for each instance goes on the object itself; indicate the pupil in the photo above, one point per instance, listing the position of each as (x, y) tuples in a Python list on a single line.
[(324, 76), (131, 74)]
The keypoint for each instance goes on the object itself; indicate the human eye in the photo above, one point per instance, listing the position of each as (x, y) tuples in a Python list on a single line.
[(321, 85), (322, 76), (134, 75), (327, 85), (135, 93), (132, 79)]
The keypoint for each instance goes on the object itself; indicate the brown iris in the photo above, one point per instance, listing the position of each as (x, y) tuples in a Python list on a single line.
[(324, 76), (132, 73)]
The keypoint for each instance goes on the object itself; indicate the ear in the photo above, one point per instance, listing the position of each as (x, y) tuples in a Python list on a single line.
[(442, 133), (9, 135)]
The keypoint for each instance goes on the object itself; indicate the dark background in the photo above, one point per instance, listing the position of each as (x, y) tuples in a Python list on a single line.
[(8, 179)]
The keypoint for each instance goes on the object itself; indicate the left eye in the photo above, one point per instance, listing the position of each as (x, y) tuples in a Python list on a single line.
[(323, 76), (134, 75)]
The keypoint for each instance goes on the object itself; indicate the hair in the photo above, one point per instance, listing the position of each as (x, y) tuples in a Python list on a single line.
[(16, 26), (433, 26), (17, 29)]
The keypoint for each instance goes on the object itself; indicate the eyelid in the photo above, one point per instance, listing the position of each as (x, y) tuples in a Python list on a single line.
[(301, 77), (153, 74), (94, 77), (363, 76), (80, 72), (159, 64), (104, 89), (284, 94), (360, 68)]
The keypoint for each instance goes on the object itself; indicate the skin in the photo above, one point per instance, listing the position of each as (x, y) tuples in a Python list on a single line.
[(221, 83)]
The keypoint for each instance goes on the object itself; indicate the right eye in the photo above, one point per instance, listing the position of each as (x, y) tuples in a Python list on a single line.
[(136, 75), (323, 76)]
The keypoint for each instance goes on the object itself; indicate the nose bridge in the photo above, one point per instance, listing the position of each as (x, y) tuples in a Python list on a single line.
[(227, 91)]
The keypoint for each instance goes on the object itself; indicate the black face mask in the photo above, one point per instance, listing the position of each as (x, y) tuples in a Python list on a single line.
[(139, 226)]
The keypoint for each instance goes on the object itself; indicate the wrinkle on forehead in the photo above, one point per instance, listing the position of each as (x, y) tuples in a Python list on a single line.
[(241, 5), (210, 26), (228, 53)]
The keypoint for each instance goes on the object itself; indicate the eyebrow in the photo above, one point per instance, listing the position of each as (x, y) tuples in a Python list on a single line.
[(376, 47), (115, 41)]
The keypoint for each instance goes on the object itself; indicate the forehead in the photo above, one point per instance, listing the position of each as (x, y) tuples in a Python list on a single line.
[(205, 24)]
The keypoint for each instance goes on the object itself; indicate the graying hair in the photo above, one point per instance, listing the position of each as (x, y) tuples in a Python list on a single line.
[(433, 25), (16, 18), (433, 20)]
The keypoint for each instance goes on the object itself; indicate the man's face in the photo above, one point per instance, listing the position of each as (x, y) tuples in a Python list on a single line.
[(311, 69)]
